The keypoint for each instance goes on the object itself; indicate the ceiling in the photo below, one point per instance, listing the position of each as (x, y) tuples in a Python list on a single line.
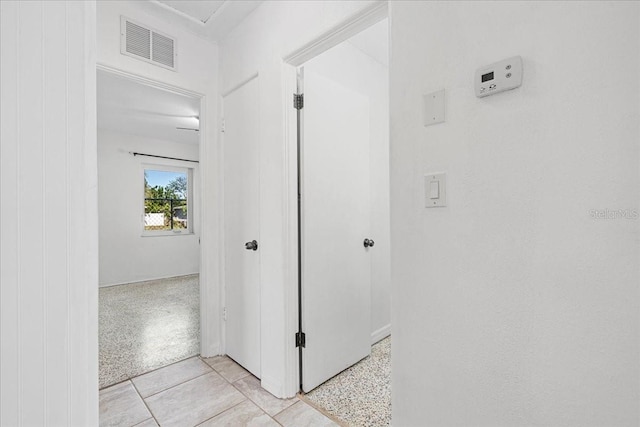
[(210, 19), (200, 10), (130, 107)]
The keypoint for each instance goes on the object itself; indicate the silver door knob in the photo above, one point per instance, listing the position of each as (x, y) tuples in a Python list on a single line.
[(251, 246), (368, 243)]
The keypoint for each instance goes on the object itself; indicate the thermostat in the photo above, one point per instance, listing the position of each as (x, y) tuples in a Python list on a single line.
[(498, 77)]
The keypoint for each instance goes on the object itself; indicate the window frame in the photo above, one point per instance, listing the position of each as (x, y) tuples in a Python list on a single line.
[(190, 210)]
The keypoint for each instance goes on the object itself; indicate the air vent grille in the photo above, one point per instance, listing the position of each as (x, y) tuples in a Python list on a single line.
[(138, 40), (147, 44), (163, 50)]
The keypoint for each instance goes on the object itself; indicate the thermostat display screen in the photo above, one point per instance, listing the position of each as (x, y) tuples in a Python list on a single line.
[(487, 77)]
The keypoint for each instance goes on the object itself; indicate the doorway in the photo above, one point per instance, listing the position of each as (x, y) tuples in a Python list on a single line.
[(344, 209), (149, 225)]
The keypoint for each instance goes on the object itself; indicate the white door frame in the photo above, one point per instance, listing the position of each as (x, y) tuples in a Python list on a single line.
[(209, 288), (336, 35)]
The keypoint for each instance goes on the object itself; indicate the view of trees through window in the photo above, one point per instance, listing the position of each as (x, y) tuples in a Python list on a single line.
[(165, 200)]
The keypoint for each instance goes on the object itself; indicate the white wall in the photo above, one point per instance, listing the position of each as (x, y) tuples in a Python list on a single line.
[(513, 306), (125, 254), (48, 211), (352, 68), (258, 45), (197, 72)]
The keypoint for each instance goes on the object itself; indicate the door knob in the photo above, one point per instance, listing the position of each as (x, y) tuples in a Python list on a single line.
[(251, 246), (368, 243)]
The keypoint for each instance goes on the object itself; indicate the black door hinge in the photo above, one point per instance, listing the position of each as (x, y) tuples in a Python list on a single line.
[(300, 339), (298, 101)]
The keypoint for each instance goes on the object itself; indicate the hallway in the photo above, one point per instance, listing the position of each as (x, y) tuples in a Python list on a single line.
[(513, 192)]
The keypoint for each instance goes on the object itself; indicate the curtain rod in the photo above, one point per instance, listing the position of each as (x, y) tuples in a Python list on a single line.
[(163, 157)]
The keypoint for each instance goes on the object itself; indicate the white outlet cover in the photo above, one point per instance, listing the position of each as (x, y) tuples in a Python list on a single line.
[(433, 108)]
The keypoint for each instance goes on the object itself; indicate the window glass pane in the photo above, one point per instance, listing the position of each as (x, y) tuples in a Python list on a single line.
[(165, 200)]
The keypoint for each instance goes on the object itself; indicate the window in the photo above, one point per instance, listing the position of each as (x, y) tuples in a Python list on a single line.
[(167, 200)]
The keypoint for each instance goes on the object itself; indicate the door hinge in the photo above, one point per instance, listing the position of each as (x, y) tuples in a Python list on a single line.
[(298, 101), (301, 339), (222, 126), (224, 314)]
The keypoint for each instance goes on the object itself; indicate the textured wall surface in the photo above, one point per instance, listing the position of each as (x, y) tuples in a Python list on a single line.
[(518, 307), (48, 215)]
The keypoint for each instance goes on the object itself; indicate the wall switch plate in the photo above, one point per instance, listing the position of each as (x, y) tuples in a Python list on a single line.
[(498, 77), (435, 190), (433, 108)]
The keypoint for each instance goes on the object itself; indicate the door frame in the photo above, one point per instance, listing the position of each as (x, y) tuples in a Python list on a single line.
[(209, 289), (290, 63)]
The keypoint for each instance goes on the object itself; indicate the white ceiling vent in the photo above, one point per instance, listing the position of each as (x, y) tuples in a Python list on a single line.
[(147, 44)]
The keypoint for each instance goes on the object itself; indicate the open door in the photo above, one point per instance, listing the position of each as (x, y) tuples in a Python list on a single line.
[(335, 221), (241, 213)]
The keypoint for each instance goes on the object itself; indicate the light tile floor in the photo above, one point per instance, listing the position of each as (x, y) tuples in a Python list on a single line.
[(202, 392)]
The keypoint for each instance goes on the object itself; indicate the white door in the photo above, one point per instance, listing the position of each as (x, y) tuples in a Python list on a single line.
[(336, 267), (241, 204)]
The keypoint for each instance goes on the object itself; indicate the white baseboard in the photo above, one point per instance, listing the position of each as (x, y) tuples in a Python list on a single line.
[(380, 334), (273, 387), (106, 285), (213, 350)]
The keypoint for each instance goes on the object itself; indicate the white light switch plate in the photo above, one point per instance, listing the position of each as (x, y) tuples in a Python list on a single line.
[(433, 108), (430, 182)]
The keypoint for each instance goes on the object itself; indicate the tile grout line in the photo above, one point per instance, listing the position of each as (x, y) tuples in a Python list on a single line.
[(211, 370), (240, 391), (175, 385), (220, 413), (219, 373), (228, 382), (322, 410), (302, 401), (297, 398), (232, 384), (256, 403), (144, 421), (145, 404), (129, 378)]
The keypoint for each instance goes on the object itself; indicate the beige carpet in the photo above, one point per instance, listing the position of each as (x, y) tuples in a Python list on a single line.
[(361, 395), (147, 325)]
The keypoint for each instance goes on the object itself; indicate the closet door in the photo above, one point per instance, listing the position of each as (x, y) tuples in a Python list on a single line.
[(336, 265), (241, 213)]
